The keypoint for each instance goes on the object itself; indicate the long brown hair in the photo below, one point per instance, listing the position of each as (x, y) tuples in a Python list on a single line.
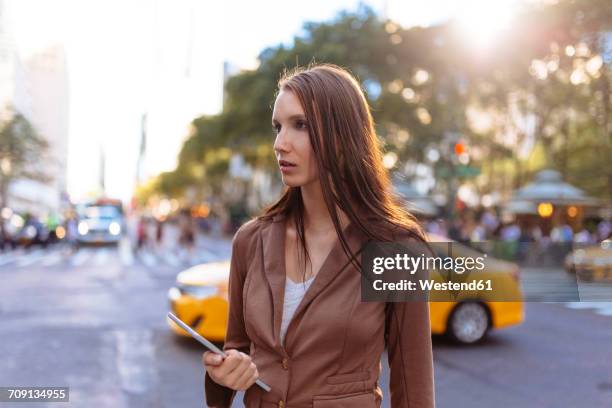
[(348, 156)]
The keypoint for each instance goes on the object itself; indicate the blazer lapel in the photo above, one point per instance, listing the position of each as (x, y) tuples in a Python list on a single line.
[(274, 263)]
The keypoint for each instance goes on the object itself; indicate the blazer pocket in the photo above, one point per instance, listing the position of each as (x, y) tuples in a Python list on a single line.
[(361, 400), (348, 378)]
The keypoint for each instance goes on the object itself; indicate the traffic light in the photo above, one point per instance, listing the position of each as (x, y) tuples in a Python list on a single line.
[(460, 148)]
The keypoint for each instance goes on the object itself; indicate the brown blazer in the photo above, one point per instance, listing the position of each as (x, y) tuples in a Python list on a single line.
[(334, 342)]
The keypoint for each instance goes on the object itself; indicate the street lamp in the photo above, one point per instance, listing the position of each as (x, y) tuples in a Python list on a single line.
[(545, 210)]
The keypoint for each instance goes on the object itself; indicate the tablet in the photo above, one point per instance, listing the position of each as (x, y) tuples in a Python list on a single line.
[(208, 344)]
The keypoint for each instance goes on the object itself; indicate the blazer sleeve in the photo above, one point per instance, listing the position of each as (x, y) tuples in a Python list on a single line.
[(410, 355), (218, 396), (408, 340)]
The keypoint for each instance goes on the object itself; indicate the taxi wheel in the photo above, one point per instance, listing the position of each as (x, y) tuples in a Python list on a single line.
[(468, 323)]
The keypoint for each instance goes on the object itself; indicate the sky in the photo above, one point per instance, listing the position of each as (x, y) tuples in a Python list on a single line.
[(165, 58)]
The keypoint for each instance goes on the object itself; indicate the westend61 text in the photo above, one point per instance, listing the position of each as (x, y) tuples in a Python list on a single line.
[(429, 285)]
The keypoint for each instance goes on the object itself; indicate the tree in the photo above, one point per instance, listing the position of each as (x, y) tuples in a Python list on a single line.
[(424, 86), (21, 151)]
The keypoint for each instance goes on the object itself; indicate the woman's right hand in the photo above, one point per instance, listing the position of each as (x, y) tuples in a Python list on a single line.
[(236, 371)]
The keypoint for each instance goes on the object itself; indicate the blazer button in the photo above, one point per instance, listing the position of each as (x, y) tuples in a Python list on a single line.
[(281, 404), (285, 363)]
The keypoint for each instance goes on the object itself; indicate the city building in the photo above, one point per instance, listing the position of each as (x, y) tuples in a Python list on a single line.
[(37, 88)]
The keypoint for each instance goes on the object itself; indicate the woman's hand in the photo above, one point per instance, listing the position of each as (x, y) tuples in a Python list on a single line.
[(236, 371)]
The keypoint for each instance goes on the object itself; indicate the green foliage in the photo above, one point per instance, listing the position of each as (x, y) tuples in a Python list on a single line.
[(21, 151), (420, 82)]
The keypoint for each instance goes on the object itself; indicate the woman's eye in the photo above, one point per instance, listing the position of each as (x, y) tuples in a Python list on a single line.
[(301, 125), (276, 128)]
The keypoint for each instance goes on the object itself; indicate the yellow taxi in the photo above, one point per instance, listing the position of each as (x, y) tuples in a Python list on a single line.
[(199, 298), (591, 263), (471, 314)]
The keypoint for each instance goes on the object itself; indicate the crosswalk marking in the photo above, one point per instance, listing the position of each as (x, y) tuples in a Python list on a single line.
[(600, 308), (55, 256), (171, 259), (593, 296), (30, 258), (136, 361), (80, 257), (101, 256), (105, 256), (148, 259), (125, 253), (11, 257), (605, 312), (53, 259)]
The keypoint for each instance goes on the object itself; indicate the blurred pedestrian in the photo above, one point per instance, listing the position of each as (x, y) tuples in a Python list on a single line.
[(4, 235), (561, 237), (562, 233), (455, 232), (490, 223), (159, 233), (187, 234), (437, 227), (583, 237), (141, 234), (604, 230), (72, 234), (511, 232)]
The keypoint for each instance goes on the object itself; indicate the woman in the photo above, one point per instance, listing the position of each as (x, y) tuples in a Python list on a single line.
[(296, 319)]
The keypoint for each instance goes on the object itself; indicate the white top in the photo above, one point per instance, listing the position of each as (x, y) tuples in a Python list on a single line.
[(294, 292)]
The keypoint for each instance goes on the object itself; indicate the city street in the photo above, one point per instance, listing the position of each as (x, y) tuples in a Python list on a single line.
[(486, 123), (94, 321)]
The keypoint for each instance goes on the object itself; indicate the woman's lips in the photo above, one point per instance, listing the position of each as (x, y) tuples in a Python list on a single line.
[(286, 166)]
